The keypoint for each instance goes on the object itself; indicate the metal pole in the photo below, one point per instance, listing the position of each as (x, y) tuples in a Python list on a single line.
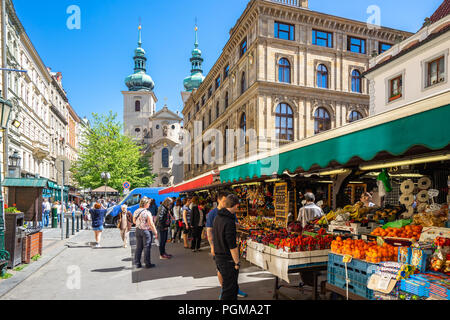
[(78, 223), (67, 228), (73, 225), (5, 94), (62, 202)]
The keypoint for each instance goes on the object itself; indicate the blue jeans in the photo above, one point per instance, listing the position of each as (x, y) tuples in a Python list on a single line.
[(143, 243), (46, 217)]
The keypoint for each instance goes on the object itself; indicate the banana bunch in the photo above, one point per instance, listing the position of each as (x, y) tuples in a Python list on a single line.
[(356, 215), (327, 218)]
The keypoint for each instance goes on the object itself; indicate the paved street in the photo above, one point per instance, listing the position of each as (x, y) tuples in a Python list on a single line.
[(107, 273)]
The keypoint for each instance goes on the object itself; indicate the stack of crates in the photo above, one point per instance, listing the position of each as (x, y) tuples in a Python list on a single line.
[(358, 272)]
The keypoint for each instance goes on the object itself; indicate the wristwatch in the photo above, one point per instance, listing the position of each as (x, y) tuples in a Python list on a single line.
[(238, 264)]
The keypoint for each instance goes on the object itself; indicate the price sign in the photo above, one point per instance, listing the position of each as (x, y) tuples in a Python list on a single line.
[(380, 241), (384, 281), (347, 258)]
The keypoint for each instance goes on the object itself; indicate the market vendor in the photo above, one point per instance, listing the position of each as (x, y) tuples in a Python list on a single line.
[(310, 211), (366, 198)]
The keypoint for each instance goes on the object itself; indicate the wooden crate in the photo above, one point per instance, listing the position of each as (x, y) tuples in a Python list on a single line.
[(32, 246)]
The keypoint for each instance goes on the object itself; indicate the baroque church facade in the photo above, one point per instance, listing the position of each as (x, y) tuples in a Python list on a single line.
[(159, 132)]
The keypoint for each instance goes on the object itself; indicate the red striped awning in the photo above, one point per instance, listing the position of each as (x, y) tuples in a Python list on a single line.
[(199, 182)]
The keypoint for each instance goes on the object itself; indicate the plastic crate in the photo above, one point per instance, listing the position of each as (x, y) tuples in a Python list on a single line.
[(354, 287), (357, 270)]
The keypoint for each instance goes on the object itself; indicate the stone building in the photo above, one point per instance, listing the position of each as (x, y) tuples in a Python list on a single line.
[(38, 129), (286, 72)]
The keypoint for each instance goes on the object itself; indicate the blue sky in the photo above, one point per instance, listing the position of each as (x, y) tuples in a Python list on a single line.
[(96, 59)]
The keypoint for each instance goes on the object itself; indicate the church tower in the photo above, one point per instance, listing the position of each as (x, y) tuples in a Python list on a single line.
[(140, 100), (196, 78)]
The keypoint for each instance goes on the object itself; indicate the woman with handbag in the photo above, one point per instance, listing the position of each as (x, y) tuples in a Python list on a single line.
[(145, 231), (125, 223)]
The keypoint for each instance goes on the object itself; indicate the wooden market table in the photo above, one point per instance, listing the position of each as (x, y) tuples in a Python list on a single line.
[(315, 269), (342, 292)]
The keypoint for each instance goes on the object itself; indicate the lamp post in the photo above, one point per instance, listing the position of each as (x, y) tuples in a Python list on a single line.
[(14, 165), (5, 109), (106, 176)]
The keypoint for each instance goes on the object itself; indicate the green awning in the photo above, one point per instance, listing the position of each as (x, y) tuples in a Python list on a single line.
[(25, 182), (429, 128)]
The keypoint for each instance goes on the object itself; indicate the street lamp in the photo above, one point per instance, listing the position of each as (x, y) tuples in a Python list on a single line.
[(106, 176), (14, 165), (5, 109)]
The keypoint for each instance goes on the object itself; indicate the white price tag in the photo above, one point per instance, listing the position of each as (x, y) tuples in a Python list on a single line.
[(384, 281)]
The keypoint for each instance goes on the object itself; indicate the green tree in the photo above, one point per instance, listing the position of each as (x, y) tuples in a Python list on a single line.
[(106, 149)]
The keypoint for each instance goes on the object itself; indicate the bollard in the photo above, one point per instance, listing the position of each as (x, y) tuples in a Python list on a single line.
[(82, 218), (78, 223), (73, 225), (67, 228)]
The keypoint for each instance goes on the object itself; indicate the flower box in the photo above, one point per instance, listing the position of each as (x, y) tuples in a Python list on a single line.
[(32, 246)]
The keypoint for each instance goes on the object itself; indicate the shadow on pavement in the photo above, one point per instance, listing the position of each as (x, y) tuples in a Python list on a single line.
[(118, 269)]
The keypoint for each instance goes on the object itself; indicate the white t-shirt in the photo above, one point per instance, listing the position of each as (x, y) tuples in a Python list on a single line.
[(177, 212)]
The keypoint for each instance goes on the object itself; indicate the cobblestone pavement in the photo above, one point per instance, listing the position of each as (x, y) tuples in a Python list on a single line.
[(84, 272)]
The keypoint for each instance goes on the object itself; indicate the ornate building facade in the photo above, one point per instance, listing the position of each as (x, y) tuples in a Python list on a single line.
[(286, 72)]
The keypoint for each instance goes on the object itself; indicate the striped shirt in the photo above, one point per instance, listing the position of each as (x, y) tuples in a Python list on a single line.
[(308, 213)]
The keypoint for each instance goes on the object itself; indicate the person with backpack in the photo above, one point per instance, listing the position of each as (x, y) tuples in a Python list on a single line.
[(163, 221), (145, 231)]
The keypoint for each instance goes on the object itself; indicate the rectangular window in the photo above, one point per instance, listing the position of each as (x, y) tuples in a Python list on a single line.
[(382, 47), (203, 100), (197, 107), (226, 72), (217, 82), (210, 91), (395, 88), (356, 45), (322, 38), (243, 48), (436, 71), (284, 31)]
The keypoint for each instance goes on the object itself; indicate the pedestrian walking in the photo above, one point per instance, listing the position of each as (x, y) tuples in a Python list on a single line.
[(145, 231), (47, 208), (98, 217), (163, 224), (178, 221), (226, 250), (187, 213), (125, 223), (197, 223)]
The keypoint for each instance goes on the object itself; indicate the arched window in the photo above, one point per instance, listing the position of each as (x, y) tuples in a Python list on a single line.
[(225, 140), (165, 180), (165, 158), (322, 120), (356, 81), (226, 100), (137, 130), (322, 76), (284, 123), (243, 86), (137, 106), (243, 127), (355, 116), (284, 70)]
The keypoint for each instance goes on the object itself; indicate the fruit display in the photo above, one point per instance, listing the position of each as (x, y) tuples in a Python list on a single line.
[(388, 214), (355, 213), (368, 251), (259, 222), (412, 232), (293, 242), (295, 227)]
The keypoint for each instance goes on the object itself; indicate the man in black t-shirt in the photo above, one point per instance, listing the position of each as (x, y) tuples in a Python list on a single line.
[(226, 249)]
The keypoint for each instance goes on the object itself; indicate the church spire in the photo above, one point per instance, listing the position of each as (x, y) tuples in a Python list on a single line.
[(139, 80), (196, 78)]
